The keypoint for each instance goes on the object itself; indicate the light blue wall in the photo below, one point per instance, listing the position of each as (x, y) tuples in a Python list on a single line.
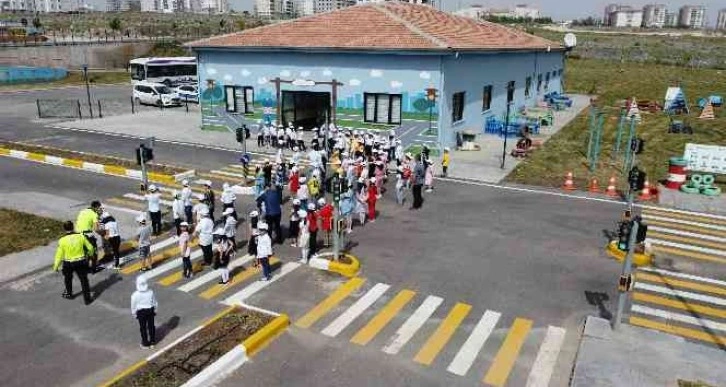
[(370, 73), (471, 72)]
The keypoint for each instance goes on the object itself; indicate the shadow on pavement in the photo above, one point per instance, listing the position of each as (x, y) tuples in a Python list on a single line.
[(164, 329), (106, 283), (598, 299)]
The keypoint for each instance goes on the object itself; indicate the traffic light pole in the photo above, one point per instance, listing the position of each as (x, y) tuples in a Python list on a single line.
[(144, 176), (627, 270), (336, 217)]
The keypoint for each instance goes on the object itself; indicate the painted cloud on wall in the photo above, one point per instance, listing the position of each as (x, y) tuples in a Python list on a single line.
[(327, 72), (227, 77), (396, 84), (376, 73), (262, 80), (245, 72), (305, 74), (211, 71), (354, 82), (285, 73), (424, 75)]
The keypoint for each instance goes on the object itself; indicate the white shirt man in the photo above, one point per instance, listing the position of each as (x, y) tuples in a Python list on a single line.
[(230, 226), (228, 197), (199, 209), (186, 196), (177, 207), (204, 229), (154, 201)]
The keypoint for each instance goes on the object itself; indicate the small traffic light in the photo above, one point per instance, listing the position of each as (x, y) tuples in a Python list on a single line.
[(624, 229), (636, 179), (336, 188), (642, 231), (147, 153), (240, 134), (637, 145)]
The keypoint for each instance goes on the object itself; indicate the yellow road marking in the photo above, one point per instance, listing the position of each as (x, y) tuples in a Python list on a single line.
[(681, 283), (377, 323), (218, 177), (177, 276), (679, 331), (692, 218), (239, 277), (687, 227), (330, 302), (4, 151), (508, 352), (167, 253), (114, 170), (692, 241), (446, 329), (689, 254), (678, 304), (73, 163), (36, 157)]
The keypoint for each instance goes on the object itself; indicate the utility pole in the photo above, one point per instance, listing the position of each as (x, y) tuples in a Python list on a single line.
[(88, 90)]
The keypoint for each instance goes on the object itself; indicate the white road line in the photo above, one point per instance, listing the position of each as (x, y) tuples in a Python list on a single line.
[(411, 129), (154, 248), (687, 222), (123, 209), (469, 351), (225, 173), (687, 233), (686, 247), (255, 287), (355, 310), (199, 281), (675, 211), (544, 363), (171, 265), (143, 199), (713, 325), (412, 325), (681, 294), (684, 275)]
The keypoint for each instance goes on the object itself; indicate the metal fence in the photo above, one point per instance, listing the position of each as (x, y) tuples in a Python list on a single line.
[(97, 108), (58, 108)]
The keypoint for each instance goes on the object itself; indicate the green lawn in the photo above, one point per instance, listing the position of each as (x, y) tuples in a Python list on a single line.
[(21, 231), (415, 149), (566, 150)]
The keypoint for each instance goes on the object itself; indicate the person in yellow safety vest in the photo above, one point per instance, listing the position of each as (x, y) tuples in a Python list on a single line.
[(87, 224), (70, 257)]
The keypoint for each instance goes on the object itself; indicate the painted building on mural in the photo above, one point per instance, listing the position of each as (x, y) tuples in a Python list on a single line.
[(371, 66)]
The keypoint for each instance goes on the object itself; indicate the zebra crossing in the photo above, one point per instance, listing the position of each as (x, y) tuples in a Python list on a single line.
[(422, 313), (683, 234), (685, 305)]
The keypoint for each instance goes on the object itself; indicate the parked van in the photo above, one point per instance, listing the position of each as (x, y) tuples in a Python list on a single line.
[(157, 94)]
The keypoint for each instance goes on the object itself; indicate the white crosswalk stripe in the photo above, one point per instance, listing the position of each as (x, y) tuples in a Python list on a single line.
[(412, 324), (143, 199), (687, 234), (712, 281), (255, 287), (171, 265), (668, 315), (199, 281), (544, 363), (685, 222), (686, 247), (468, 352), (680, 293), (355, 310)]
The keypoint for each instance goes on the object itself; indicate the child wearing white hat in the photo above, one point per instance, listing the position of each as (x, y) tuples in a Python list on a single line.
[(303, 237), (294, 227)]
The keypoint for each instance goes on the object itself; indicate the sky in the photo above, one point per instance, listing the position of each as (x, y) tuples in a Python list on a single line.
[(557, 9)]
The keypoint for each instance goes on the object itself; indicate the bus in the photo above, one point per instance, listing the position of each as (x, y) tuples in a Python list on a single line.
[(170, 71)]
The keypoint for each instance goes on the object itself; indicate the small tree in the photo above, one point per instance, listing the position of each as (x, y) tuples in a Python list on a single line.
[(115, 25), (222, 24)]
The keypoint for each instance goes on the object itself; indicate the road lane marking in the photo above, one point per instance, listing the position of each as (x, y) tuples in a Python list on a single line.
[(442, 335), (684, 275), (508, 352), (164, 253), (330, 302), (686, 222), (355, 310), (377, 323), (672, 316), (171, 265), (686, 247), (255, 287), (673, 210), (681, 294), (687, 254), (681, 283), (226, 173), (690, 217), (679, 331), (686, 233), (694, 229), (237, 278), (412, 324), (123, 209), (679, 304), (143, 199), (544, 363), (654, 235), (473, 345), (177, 276), (199, 281)]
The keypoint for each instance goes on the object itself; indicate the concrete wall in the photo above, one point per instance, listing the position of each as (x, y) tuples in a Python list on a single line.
[(104, 56), (471, 72)]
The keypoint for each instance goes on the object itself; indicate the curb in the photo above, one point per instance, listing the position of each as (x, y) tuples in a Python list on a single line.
[(612, 250), (113, 170), (346, 269)]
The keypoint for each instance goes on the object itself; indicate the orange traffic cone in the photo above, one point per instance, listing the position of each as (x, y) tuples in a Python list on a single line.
[(594, 186), (569, 184), (611, 190), (645, 194)]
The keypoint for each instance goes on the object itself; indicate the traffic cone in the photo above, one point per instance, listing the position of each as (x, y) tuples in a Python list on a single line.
[(645, 194), (594, 186), (611, 190), (569, 184)]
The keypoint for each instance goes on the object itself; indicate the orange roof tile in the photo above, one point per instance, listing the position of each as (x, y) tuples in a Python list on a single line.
[(382, 26)]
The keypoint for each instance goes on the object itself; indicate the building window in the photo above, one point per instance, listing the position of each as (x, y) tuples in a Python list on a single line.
[(539, 83), (547, 82), (239, 99), (527, 86), (457, 108), (486, 100), (382, 108), (510, 91)]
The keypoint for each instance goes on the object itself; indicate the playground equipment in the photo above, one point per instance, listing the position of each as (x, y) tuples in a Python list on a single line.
[(675, 101), (702, 184), (715, 100)]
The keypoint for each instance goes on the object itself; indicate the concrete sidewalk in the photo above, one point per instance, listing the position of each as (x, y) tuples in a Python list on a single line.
[(634, 356)]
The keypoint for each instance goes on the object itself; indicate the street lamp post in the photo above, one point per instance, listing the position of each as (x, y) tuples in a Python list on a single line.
[(88, 90)]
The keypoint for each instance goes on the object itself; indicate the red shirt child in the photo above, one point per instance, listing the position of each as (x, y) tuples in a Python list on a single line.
[(326, 217), (371, 199), (294, 182), (312, 221)]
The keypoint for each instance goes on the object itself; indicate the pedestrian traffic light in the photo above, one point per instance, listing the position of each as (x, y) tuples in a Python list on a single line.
[(642, 230), (637, 145), (636, 179), (240, 134), (147, 153), (336, 188), (624, 229)]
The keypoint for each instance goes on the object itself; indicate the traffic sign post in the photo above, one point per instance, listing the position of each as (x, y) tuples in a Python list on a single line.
[(336, 216)]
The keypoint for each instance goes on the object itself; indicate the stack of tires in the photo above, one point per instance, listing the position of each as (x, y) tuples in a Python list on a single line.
[(703, 184)]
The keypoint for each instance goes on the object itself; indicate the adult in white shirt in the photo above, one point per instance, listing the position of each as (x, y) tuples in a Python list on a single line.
[(204, 230), (228, 197), (177, 211), (154, 201), (230, 226), (186, 197), (264, 251)]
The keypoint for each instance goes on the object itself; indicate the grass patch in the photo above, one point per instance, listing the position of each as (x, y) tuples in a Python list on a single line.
[(566, 150), (189, 357), (21, 231), (415, 149), (74, 78), (685, 383)]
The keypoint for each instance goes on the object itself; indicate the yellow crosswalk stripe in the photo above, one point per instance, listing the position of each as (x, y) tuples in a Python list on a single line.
[(687, 253), (508, 352), (438, 339), (377, 323), (691, 241), (679, 304), (330, 302), (238, 278), (214, 176), (689, 217), (178, 275), (127, 203), (671, 282), (165, 254), (679, 331), (687, 227)]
